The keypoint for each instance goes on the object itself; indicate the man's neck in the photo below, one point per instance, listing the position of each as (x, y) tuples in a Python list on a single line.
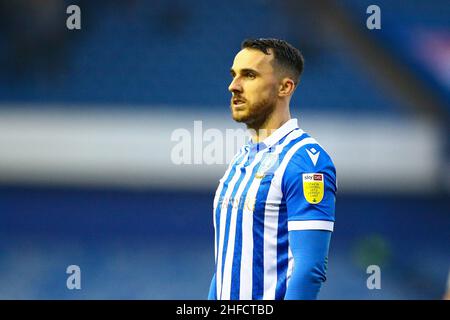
[(269, 126)]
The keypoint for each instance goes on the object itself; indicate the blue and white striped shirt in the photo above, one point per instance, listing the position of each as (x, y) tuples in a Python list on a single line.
[(286, 182)]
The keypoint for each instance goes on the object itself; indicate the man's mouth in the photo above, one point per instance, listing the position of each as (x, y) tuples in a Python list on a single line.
[(238, 102)]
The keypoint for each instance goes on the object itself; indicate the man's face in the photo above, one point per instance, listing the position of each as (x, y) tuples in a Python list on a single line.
[(254, 87)]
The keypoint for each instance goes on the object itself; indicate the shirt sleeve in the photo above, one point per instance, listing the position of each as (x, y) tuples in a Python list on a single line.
[(310, 251), (212, 289), (309, 188)]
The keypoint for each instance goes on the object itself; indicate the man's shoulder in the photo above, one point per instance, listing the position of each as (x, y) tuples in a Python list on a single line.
[(309, 155)]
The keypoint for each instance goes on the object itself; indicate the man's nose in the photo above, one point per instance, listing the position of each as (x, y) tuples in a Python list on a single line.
[(235, 86)]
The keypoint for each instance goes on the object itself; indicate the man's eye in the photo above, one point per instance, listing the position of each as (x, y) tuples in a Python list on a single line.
[(251, 76)]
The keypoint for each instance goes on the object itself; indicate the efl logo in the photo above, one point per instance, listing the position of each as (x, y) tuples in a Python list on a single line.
[(317, 177)]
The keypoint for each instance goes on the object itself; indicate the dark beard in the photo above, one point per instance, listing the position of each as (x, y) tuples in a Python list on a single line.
[(259, 113)]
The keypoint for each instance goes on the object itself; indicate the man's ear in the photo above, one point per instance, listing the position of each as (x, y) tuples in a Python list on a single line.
[(286, 88)]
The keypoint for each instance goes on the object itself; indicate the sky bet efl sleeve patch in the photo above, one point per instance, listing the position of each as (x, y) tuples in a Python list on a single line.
[(313, 187)]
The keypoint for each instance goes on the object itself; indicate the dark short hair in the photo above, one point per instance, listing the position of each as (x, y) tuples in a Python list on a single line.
[(285, 54)]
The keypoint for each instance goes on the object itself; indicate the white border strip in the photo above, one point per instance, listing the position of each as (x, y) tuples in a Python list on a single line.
[(91, 146), (311, 225)]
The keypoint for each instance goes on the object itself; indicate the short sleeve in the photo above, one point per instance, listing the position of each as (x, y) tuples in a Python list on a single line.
[(309, 189)]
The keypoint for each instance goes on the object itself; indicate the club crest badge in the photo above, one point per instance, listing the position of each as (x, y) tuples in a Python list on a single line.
[(313, 187), (267, 165)]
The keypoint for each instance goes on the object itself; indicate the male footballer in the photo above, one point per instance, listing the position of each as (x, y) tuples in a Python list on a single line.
[(274, 208)]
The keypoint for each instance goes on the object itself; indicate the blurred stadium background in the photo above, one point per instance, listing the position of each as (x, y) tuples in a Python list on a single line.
[(86, 119)]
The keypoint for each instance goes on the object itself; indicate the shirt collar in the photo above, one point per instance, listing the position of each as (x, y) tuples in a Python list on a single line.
[(277, 135)]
